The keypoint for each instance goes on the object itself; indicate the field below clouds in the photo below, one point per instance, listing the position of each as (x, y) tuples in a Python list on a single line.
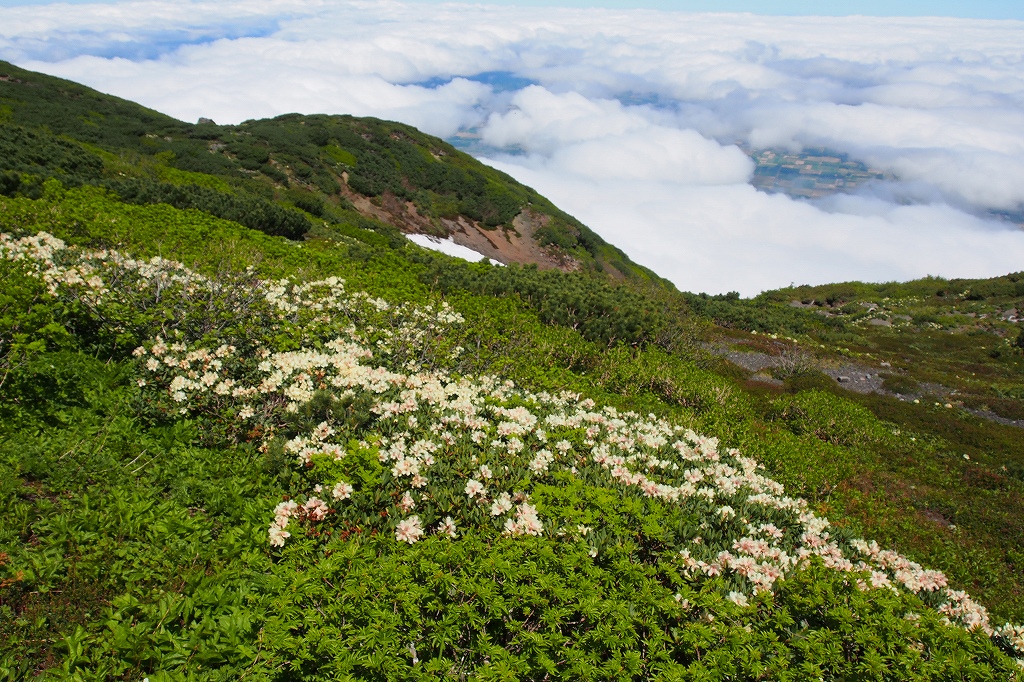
[(630, 120)]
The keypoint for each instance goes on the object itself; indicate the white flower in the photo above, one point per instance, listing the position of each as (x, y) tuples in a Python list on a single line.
[(315, 508), (526, 521), (277, 536), (341, 491), (447, 527), (738, 598), (409, 530), (541, 461), (283, 511), (501, 505), (485, 472), (474, 488)]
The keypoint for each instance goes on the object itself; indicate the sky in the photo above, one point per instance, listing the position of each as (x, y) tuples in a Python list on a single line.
[(630, 119), (976, 9)]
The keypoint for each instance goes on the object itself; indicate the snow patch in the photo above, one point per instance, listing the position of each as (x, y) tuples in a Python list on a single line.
[(449, 247)]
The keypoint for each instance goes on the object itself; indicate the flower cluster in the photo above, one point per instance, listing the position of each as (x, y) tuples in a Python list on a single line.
[(96, 274), (1013, 637), (504, 440)]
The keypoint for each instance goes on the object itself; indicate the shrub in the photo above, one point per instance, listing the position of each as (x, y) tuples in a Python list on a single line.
[(900, 383)]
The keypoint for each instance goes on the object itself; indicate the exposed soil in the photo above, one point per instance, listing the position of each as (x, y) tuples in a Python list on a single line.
[(516, 245), (511, 246)]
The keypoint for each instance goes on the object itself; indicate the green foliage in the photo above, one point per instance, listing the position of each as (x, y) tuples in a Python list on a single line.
[(156, 523), (600, 311), (831, 419), (26, 154), (759, 315), (252, 211), (900, 384), (809, 380)]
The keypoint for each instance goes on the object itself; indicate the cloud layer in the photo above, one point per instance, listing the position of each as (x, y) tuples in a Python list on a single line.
[(627, 119)]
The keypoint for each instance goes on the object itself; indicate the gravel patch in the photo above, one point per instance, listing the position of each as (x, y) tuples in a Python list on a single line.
[(851, 376)]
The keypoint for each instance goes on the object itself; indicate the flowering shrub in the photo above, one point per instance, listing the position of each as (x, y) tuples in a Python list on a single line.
[(358, 393)]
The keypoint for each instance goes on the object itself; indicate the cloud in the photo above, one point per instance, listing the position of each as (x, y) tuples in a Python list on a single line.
[(632, 120), (733, 238), (601, 138)]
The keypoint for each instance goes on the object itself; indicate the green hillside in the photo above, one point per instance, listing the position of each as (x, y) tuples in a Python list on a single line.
[(284, 176), (227, 452)]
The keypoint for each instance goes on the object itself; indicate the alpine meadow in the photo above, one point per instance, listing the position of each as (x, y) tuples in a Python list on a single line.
[(249, 430)]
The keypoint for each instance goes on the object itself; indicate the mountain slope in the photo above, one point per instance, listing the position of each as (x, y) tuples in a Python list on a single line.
[(176, 386), (335, 169), (424, 521)]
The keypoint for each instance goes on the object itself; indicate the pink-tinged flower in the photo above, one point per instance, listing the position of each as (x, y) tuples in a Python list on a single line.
[(409, 530), (447, 527), (501, 505), (738, 598), (315, 508), (474, 488), (283, 511), (771, 530), (485, 472), (526, 521), (407, 504), (277, 536), (879, 579), (406, 466), (342, 491)]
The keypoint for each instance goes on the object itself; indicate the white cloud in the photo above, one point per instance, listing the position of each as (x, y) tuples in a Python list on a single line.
[(633, 118), (732, 237), (601, 138)]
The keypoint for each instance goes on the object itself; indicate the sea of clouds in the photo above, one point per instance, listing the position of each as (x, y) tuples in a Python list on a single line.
[(628, 119)]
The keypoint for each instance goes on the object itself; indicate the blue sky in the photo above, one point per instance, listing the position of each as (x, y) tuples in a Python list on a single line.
[(977, 9)]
